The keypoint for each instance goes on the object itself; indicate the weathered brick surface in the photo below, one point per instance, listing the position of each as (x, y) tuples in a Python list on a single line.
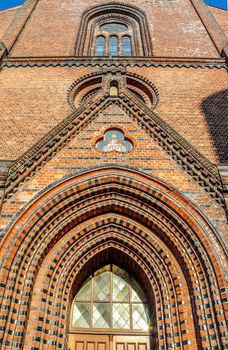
[(38, 102)]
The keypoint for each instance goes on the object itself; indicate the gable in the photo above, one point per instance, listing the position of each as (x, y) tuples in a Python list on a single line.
[(186, 156)]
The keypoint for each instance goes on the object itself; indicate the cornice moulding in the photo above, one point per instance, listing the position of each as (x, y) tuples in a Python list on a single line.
[(170, 62)]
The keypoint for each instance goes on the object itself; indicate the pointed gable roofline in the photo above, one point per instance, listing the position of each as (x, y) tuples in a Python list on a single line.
[(192, 161)]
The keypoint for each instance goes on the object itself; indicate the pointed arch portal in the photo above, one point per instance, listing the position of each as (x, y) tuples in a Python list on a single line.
[(118, 216)]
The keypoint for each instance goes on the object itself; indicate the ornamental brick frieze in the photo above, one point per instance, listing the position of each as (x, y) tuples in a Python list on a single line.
[(115, 62), (192, 161), (196, 165)]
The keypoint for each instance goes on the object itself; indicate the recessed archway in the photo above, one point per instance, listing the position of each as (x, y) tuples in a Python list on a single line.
[(121, 210), (127, 14)]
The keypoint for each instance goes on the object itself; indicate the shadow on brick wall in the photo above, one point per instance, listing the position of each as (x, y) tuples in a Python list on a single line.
[(215, 109)]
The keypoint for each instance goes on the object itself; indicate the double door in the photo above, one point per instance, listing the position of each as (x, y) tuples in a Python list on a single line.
[(109, 342)]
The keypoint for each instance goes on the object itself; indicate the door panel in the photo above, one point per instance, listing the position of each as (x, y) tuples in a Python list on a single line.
[(79, 345), (120, 346), (101, 346), (131, 342), (88, 342), (90, 345), (142, 346), (106, 342)]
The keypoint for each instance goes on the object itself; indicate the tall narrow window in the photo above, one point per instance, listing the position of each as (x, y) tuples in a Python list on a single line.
[(126, 46), (113, 46), (100, 43)]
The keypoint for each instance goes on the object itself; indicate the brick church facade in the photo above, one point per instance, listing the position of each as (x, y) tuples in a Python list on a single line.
[(113, 176)]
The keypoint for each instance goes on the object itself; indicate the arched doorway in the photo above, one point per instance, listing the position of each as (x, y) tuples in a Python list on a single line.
[(111, 311), (120, 216)]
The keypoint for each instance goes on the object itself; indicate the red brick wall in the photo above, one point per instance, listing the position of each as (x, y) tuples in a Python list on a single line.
[(83, 205), (221, 17), (52, 29), (147, 223), (38, 103), (147, 156)]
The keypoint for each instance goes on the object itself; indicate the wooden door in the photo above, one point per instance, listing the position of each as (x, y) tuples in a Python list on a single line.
[(131, 342), (88, 342)]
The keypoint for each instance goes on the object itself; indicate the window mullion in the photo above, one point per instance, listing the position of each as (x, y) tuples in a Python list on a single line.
[(91, 304), (111, 301)]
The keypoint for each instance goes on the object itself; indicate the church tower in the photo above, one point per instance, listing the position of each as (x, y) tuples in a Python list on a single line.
[(113, 176)]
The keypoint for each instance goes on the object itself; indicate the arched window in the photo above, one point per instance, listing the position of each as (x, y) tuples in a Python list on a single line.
[(114, 91), (113, 46), (118, 36), (100, 46), (111, 299), (114, 19), (126, 46)]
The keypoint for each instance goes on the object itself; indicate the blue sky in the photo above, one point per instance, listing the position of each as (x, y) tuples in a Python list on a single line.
[(4, 4)]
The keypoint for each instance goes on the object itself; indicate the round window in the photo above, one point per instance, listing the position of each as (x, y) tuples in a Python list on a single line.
[(113, 27)]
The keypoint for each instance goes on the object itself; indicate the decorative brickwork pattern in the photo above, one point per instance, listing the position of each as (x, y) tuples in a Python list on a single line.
[(144, 222), (114, 11), (113, 160), (123, 62), (190, 159)]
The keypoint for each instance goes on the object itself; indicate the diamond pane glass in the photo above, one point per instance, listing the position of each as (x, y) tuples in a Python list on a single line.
[(121, 287), (137, 294), (101, 315), (103, 269), (85, 291), (111, 298), (121, 316), (101, 287), (140, 317), (81, 315)]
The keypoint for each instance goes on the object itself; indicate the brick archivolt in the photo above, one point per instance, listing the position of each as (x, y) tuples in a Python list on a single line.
[(112, 235), (72, 224), (129, 14)]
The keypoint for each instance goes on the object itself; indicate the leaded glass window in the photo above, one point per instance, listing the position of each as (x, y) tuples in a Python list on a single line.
[(126, 46), (113, 39), (113, 46), (113, 27), (111, 299), (100, 46)]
